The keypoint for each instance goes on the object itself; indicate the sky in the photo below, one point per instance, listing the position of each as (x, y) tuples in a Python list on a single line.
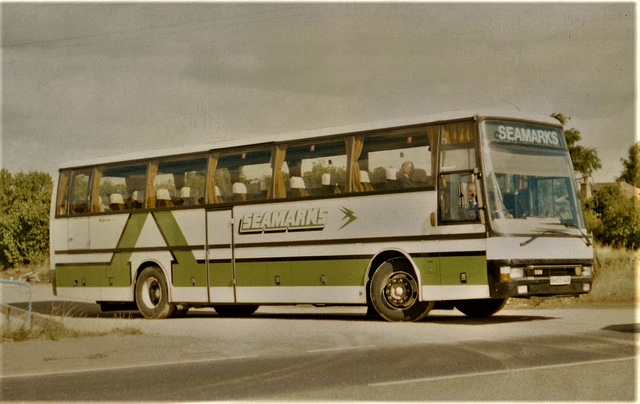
[(84, 80)]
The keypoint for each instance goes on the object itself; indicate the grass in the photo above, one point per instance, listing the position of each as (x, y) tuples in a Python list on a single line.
[(15, 329), (616, 275)]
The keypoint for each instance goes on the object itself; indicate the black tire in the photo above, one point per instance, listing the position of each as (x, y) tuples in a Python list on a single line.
[(394, 292), (480, 307), (117, 306), (152, 294), (236, 310), (180, 312)]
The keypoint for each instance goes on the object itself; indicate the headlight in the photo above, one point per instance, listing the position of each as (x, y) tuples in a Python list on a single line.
[(517, 273), (586, 271), (509, 273)]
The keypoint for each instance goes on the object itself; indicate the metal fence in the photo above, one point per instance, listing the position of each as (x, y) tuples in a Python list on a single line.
[(23, 283)]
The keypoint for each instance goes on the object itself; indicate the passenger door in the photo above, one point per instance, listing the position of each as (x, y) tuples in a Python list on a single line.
[(78, 236), (220, 258), (459, 196)]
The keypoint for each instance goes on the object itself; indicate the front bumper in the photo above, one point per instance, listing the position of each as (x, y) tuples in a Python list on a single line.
[(539, 287), (539, 279)]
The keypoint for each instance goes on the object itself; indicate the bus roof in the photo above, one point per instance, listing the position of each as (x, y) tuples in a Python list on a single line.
[(313, 133)]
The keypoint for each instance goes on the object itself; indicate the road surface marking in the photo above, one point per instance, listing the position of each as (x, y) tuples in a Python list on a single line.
[(348, 348), (128, 367), (495, 372)]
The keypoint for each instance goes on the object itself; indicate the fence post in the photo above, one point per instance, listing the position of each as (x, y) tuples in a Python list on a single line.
[(22, 283)]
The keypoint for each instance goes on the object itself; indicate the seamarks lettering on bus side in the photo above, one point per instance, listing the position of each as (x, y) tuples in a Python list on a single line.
[(283, 220)]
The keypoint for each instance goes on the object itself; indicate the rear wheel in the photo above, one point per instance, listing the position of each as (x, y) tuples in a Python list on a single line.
[(394, 292), (480, 307), (152, 294), (236, 310)]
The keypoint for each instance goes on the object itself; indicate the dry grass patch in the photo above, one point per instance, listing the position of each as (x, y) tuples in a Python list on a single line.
[(616, 276), (15, 328)]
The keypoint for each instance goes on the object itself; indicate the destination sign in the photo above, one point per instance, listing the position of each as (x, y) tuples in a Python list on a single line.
[(523, 134)]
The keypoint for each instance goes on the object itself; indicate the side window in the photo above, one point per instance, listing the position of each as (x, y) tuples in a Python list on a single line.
[(180, 182), (398, 159), (459, 196), (240, 176), (120, 188), (315, 168), (80, 183), (62, 199)]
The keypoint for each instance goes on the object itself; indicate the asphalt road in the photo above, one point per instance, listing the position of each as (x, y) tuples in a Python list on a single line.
[(305, 353)]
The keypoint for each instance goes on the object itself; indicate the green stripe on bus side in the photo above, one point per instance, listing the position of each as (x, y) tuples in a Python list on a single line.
[(132, 230), (429, 270), (170, 229), (342, 272), (220, 274), (185, 270), (447, 270), (474, 268), (115, 274), (345, 272)]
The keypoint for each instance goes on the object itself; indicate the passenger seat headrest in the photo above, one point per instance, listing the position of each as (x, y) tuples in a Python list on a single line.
[(116, 198), (239, 188), (297, 183), (326, 179), (163, 195)]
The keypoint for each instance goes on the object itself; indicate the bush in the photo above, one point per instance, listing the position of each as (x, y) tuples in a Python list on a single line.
[(613, 219), (24, 217)]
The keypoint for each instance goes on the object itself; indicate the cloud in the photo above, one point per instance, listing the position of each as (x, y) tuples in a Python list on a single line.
[(109, 77)]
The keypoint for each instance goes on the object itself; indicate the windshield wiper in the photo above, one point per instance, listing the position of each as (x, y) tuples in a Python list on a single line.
[(584, 236), (542, 233)]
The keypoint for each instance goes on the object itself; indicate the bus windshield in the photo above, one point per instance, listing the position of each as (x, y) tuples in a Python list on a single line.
[(529, 179)]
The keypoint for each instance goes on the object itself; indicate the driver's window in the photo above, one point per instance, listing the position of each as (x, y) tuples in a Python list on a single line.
[(458, 193), (459, 198)]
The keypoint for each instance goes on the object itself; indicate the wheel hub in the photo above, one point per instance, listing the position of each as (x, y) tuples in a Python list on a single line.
[(400, 290), (153, 294)]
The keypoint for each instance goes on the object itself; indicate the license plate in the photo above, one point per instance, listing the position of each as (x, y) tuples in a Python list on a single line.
[(560, 280)]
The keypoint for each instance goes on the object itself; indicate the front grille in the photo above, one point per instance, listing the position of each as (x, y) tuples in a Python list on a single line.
[(541, 271)]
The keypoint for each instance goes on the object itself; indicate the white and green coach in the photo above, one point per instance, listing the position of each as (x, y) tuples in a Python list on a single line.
[(454, 210)]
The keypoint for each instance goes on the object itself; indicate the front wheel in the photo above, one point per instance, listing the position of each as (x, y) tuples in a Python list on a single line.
[(152, 294), (394, 292), (480, 307)]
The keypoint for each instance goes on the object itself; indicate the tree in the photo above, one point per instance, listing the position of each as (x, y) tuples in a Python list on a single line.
[(24, 217), (613, 218), (631, 172), (585, 160)]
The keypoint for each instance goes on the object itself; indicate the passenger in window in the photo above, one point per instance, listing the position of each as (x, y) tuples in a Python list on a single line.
[(403, 177), (472, 211)]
